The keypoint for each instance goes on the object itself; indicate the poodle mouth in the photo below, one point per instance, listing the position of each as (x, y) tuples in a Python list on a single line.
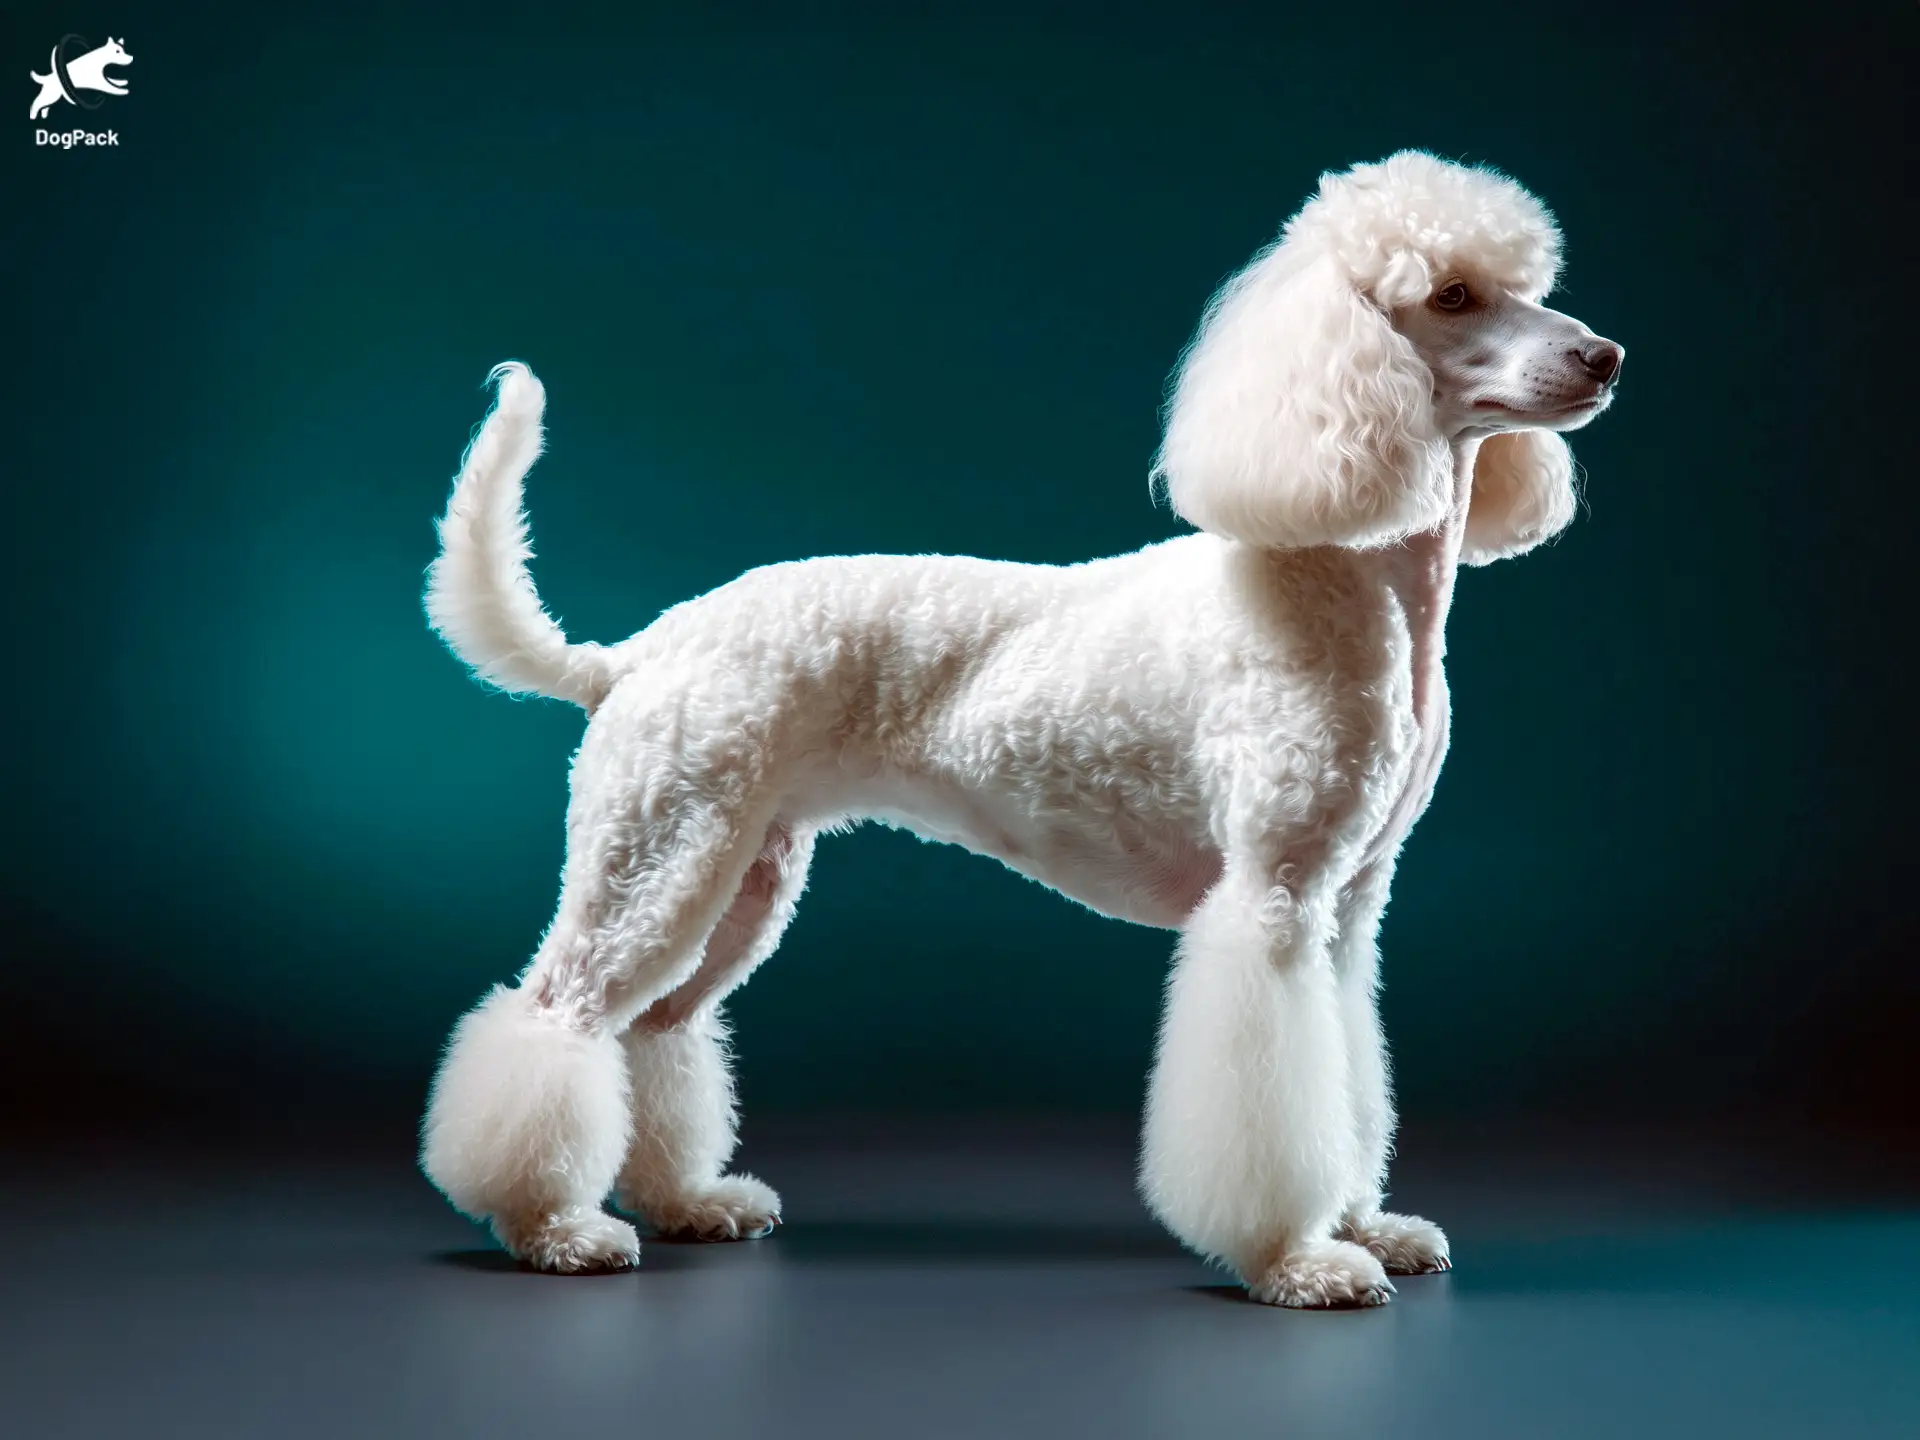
[(1592, 405)]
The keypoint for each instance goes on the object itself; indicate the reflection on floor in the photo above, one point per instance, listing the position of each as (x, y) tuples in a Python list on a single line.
[(983, 1279)]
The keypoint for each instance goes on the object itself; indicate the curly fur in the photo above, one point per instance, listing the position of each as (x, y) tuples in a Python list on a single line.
[(1300, 416), (1229, 735), (1523, 495)]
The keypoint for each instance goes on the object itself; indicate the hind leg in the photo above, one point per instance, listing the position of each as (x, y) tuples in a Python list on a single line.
[(524, 1130), (684, 1114), (531, 1110)]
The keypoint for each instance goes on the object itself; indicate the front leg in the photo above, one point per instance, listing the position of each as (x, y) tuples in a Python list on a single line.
[(1404, 1244), (1249, 1153)]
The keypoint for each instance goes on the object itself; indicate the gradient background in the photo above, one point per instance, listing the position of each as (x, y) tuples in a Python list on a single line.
[(815, 280)]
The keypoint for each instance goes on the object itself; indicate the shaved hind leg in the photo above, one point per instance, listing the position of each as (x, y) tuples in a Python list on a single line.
[(531, 1112), (684, 1115)]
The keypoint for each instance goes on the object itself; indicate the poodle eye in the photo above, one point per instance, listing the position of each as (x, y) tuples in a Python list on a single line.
[(1452, 297)]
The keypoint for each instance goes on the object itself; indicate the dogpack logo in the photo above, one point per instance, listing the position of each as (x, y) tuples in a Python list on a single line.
[(77, 75)]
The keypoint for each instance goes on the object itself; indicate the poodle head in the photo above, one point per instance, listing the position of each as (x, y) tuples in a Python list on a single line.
[(1398, 312)]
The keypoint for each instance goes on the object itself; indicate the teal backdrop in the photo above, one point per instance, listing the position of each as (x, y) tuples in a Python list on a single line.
[(812, 279)]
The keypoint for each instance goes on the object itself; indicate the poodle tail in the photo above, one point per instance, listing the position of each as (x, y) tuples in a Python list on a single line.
[(480, 596)]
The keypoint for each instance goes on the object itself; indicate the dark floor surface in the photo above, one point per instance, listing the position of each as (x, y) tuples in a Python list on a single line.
[(993, 1281)]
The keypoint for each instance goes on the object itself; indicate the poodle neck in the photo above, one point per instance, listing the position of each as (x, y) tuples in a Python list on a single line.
[(1420, 572)]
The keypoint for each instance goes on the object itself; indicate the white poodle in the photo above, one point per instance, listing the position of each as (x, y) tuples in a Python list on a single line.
[(1228, 734)]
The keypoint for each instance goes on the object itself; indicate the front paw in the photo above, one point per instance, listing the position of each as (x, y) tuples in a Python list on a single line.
[(734, 1207), (1327, 1275), (1404, 1244), (580, 1241)]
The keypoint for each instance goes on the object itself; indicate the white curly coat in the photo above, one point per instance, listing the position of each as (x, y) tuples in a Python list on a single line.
[(1228, 734)]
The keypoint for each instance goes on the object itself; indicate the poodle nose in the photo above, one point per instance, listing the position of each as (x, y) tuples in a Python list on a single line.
[(1600, 359)]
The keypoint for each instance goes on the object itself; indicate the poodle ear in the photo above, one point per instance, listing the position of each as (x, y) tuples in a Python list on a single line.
[(1522, 495), (1301, 417)]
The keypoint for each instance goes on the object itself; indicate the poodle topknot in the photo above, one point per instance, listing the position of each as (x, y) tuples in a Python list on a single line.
[(1395, 226), (1228, 735)]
